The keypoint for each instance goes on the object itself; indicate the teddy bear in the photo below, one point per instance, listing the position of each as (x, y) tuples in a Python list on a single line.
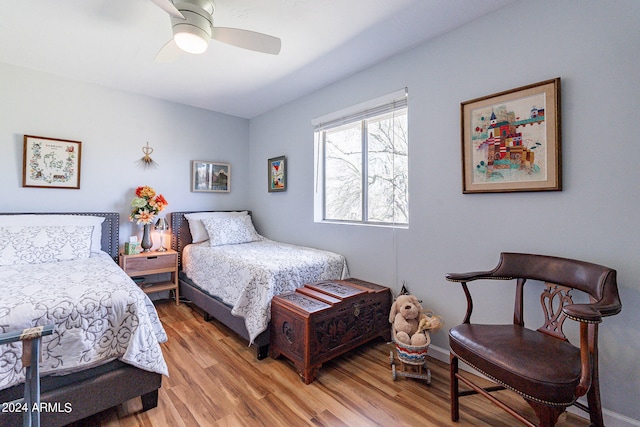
[(405, 315), (410, 322)]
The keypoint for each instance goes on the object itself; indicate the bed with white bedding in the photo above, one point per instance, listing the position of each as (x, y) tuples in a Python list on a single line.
[(232, 272), (247, 276), (107, 332), (98, 313)]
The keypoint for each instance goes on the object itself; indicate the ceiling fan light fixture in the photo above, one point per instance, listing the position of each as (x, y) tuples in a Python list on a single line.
[(192, 22), (191, 39), (192, 34)]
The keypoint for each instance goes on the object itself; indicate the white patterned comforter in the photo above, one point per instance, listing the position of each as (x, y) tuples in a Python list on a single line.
[(247, 276), (98, 311)]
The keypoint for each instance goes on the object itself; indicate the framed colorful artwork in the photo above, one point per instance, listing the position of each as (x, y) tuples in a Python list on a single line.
[(277, 174), (51, 163), (511, 140), (210, 177)]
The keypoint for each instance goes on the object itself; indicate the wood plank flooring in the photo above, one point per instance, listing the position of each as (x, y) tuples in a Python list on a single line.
[(215, 380)]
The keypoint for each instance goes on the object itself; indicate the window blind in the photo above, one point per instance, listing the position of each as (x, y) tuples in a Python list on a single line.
[(374, 107)]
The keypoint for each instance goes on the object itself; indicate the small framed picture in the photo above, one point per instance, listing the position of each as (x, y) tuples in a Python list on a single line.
[(277, 167), (51, 163), (511, 140), (210, 177)]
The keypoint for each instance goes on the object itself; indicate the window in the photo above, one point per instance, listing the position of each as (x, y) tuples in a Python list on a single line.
[(362, 163)]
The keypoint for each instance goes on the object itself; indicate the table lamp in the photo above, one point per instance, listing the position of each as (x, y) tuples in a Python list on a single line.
[(162, 226)]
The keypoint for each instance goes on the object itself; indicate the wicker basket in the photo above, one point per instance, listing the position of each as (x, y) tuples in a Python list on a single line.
[(411, 354)]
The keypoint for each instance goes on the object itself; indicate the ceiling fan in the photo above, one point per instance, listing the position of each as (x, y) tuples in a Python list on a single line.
[(192, 22)]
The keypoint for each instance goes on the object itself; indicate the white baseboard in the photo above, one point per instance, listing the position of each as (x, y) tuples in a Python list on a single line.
[(439, 353), (611, 419)]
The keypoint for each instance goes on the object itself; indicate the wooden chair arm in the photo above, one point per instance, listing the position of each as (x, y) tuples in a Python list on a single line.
[(587, 313), (474, 275), (609, 305), (588, 340), (463, 278)]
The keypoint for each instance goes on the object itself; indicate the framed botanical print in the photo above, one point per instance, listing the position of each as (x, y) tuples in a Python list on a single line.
[(277, 169), (511, 140), (210, 177), (51, 162)]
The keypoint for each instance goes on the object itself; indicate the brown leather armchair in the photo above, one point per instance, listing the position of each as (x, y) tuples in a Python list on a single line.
[(541, 365)]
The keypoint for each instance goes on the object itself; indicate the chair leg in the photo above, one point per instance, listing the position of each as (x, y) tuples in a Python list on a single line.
[(548, 415), (595, 404), (593, 395), (455, 398)]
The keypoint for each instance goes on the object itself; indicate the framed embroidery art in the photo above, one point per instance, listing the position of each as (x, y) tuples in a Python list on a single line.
[(277, 174), (511, 140), (51, 163), (210, 177)]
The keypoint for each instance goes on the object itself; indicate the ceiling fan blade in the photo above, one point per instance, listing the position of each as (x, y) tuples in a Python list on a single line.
[(247, 39), (169, 52), (168, 7)]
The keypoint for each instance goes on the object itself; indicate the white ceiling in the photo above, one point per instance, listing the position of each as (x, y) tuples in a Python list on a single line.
[(113, 43)]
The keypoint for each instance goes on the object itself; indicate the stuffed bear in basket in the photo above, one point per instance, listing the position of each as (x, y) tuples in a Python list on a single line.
[(411, 323)]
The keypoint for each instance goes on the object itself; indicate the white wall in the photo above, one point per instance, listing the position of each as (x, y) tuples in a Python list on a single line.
[(113, 127), (594, 47)]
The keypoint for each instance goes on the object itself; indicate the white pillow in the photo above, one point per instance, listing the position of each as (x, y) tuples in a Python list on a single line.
[(39, 244), (77, 220), (196, 227), (230, 230)]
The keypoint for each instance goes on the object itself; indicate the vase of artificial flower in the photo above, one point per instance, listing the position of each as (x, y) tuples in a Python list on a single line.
[(146, 205), (146, 243)]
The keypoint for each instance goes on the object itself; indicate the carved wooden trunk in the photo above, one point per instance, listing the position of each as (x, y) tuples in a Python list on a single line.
[(325, 319)]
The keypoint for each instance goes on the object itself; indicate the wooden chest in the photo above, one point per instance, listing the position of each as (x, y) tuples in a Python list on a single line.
[(322, 320)]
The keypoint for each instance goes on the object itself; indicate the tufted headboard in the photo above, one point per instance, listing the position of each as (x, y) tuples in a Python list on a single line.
[(110, 228), (180, 233)]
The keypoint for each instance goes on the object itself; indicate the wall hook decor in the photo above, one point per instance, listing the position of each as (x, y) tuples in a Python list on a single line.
[(146, 161)]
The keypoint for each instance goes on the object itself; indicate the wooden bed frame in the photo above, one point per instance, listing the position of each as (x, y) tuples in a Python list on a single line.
[(85, 393), (181, 237)]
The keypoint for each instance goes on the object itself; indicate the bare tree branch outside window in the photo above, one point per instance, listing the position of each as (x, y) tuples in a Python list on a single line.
[(386, 158)]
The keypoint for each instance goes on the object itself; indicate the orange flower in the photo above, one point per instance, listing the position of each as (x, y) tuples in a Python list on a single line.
[(158, 203), (144, 217), (146, 205), (145, 192)]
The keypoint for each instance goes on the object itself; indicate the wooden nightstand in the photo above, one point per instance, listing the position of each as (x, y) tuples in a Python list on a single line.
[(148, 263)]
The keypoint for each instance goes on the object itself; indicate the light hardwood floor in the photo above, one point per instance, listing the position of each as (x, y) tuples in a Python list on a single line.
[(216, 380)]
